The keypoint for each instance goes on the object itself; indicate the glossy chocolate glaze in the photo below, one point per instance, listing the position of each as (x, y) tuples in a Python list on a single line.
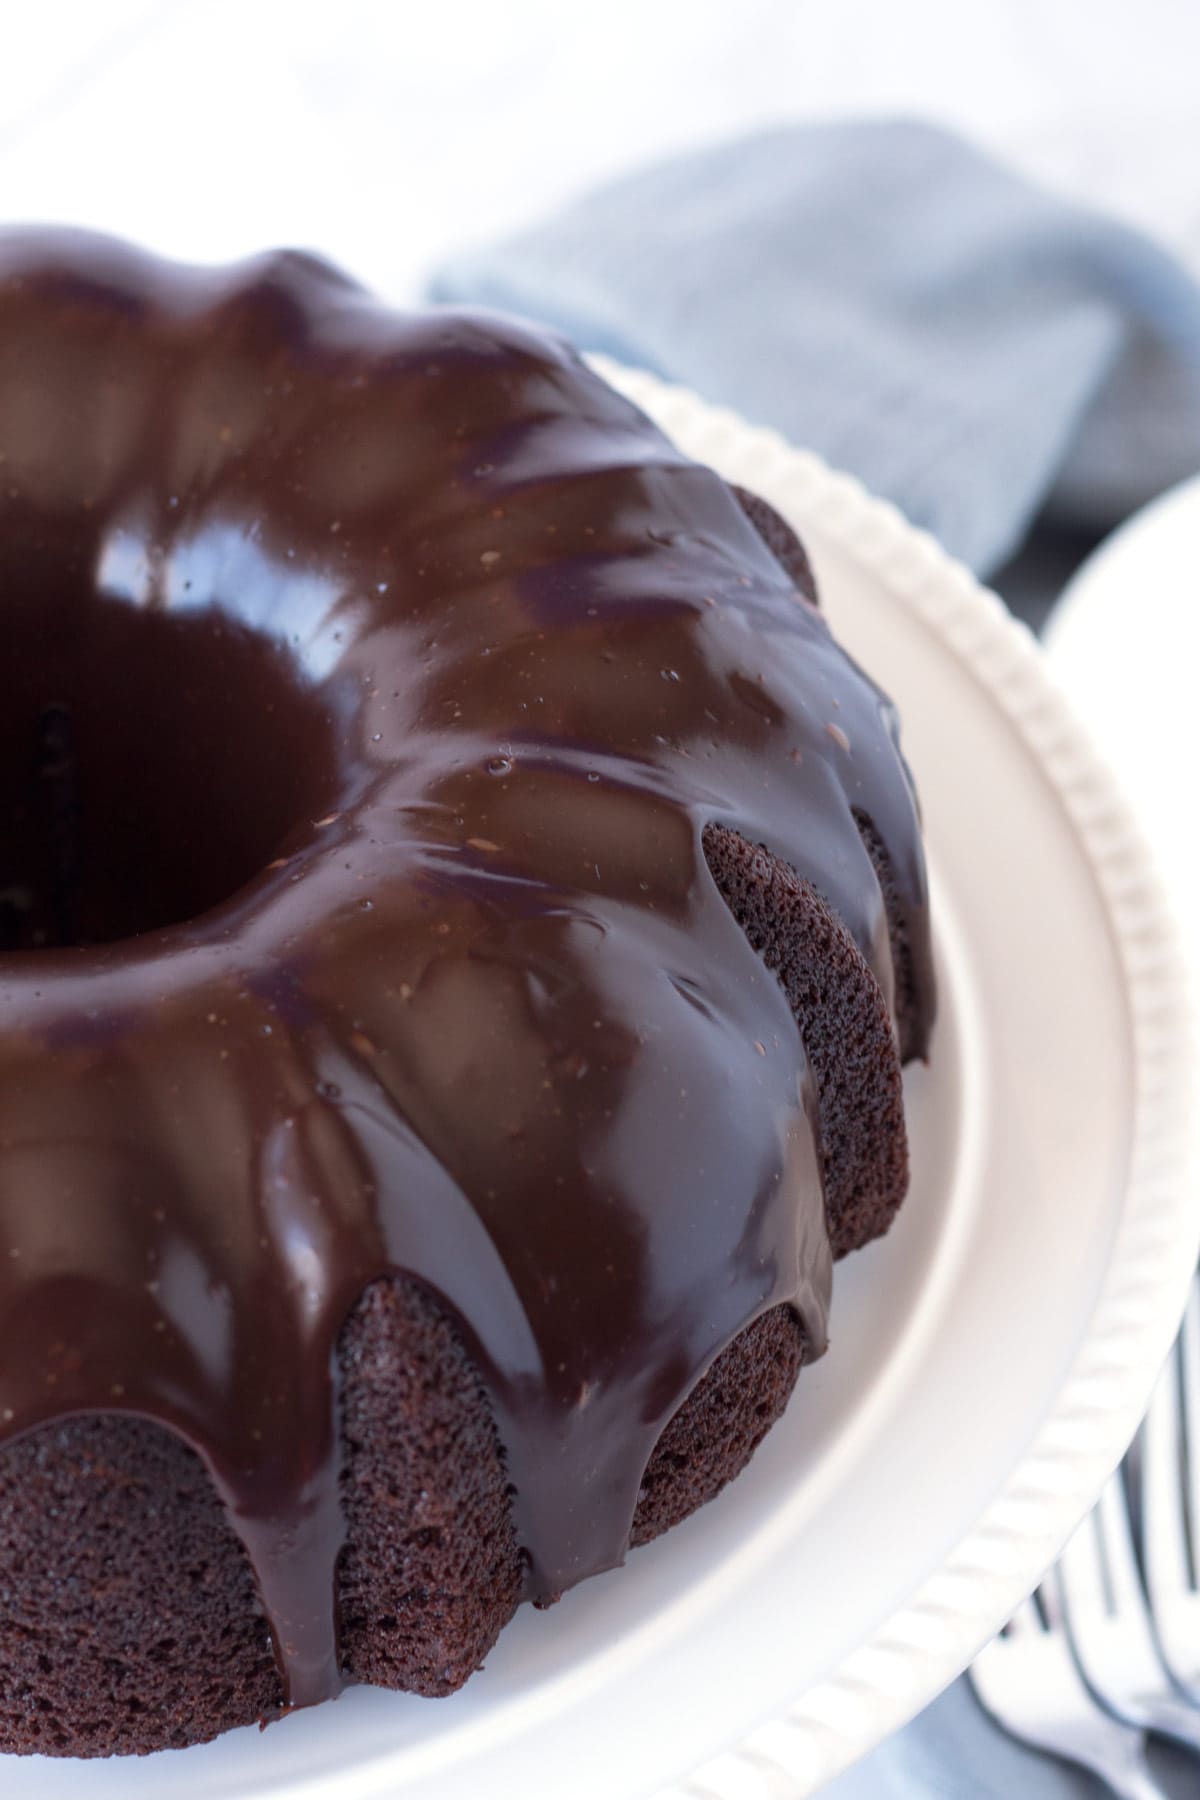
[(369, 682)]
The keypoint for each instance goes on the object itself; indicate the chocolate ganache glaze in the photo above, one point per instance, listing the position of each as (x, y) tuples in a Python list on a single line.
[(369, 683)]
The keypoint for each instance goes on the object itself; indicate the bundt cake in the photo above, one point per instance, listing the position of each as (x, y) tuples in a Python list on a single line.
[(461, 921)]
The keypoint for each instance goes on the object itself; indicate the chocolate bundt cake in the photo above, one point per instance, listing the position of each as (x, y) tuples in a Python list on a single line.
[(461, 921)]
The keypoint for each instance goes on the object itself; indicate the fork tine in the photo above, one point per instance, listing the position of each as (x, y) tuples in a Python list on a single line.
[(1025, 1622), (1080, 1586), (1189, 1350), (1124, 1582), (1164, 1539)]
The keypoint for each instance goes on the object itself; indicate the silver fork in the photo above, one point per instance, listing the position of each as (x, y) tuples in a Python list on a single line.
[(1108, 1623), (1169, 1449), (1028, 1680)]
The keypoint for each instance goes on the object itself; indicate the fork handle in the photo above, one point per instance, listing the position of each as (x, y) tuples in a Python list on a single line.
[(1130, 1780)]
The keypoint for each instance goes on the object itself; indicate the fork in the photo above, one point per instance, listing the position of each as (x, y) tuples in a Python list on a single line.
[(1169, 1453), (1108, 1648), (1108, 1623), (1028, 1680)]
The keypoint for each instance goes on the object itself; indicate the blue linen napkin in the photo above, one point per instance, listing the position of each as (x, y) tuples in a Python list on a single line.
[(977, 350), (971, 347)]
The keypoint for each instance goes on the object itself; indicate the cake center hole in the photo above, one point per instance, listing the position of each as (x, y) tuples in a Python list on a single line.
[(151, 764)]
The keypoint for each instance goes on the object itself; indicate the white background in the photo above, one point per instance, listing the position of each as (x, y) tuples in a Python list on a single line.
[(387, 135)]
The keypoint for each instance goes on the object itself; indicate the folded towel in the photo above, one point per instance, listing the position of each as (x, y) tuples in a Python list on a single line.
[(973, 348)]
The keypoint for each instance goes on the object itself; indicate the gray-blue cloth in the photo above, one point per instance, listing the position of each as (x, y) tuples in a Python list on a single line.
[(970, 346), (975, 349)]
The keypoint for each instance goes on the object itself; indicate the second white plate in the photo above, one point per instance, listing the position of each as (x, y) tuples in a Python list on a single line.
[(1124, 641)]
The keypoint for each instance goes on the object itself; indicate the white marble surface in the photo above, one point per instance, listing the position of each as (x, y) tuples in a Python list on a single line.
[(386, 134)]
